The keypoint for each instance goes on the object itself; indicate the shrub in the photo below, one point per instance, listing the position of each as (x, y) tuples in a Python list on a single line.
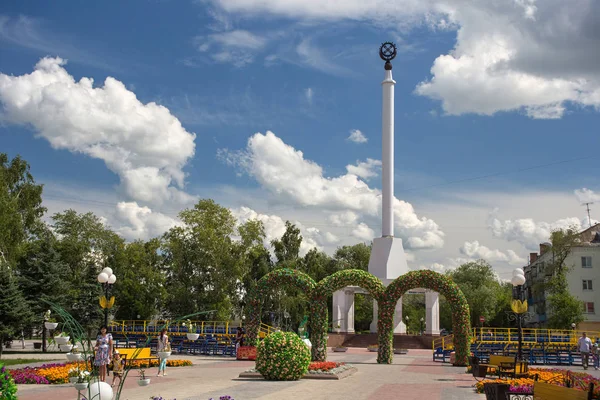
[(8, 388), (282, 356)]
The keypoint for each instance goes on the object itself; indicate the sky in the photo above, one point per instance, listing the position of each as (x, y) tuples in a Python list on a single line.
[(135, 110)]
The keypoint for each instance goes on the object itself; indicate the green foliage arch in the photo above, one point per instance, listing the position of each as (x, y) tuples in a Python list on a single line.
[(324, 289), (279, 277), (428, 280)]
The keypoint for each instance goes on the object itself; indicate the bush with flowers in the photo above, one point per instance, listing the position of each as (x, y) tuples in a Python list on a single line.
[(282, 356), (8, 388)]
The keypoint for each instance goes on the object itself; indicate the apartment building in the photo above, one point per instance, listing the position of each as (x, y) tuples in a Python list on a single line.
[(583, 279)]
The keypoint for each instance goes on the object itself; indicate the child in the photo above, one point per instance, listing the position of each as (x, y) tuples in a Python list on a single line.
[(596, 355), (118, 365)]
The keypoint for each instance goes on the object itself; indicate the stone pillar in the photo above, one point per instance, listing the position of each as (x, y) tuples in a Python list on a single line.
[(432, 313), (373, 326), (399, 326), (349, 314), (339, 309)]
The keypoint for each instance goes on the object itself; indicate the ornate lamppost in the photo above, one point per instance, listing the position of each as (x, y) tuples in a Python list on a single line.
[(406, 318), (519, 308), (106, 278), (422, 320)]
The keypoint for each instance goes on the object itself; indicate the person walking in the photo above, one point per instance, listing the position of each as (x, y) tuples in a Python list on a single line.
[(103, 348), (584, 345), (239, 338), (162, 345), (596, 354)]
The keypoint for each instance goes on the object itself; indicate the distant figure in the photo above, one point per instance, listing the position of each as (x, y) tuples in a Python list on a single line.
[(162, 345), (103, 348), (596, 353), (118, 365), (584, 345), (239, 338)]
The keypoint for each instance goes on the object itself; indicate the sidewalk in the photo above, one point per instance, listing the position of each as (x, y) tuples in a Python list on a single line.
[(412, 376)]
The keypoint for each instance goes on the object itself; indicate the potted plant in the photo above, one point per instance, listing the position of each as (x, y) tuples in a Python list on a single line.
[(67, 347), (166, 353), (143, 381), (73, 375), (337, 328), (191, 335), (400, 351), (49, 321), (74, 355), (373, 348), (83, 380), (62, 338), (340, 349)]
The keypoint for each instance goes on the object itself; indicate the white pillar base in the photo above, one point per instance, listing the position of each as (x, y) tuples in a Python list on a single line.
[(349, 294), (432, 313)]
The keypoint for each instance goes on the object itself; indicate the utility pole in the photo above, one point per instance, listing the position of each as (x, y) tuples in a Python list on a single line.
[(588, 211)]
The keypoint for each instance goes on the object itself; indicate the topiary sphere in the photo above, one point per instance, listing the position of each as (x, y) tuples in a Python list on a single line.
[(282, 356)]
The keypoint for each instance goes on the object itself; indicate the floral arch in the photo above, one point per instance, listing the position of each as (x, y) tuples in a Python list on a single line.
[(318, 303), (280, 277), (428, 280)]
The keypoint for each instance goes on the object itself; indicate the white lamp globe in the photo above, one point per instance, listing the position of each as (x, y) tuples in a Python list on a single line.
[(100, 391), (107, 271), (518, 280), (112, 279), (518, 271), (102, 277)]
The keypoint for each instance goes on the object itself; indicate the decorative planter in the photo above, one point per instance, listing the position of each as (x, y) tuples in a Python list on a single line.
[(143, 382), (37, 345), (495, 391), (74, 356), (61, 339), (65, 347), (164, 354), (81, 386), (51, 325), (73, 379), (400, 351), (337, 330), (340, 349), (373, 349), (193, 336), (246, 353)]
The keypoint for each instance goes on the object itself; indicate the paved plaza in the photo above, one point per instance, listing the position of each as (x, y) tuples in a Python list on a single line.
[(412, 376)]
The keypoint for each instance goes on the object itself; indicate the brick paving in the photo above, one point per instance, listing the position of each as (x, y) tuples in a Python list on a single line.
[(412, 376)]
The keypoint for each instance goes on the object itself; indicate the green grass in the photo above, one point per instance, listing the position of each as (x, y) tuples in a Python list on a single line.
[(16, 361)]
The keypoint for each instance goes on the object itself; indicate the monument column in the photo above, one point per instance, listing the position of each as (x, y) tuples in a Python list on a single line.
[(349, 294), (432, 313), (388, 260)]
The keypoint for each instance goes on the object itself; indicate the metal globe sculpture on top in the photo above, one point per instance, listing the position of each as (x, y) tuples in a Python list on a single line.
[(388, 52)]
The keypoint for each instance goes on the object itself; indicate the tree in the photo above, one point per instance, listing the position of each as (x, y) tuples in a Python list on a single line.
[(14, 312), (141, 291), (20, 206), (42, 275), (86, 246), (202, 271), (482, 289), (287, 249)]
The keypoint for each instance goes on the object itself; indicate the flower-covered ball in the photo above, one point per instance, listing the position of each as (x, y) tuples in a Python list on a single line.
[(282, 356)]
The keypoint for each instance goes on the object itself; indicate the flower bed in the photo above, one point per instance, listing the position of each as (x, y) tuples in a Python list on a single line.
[(323, 366), (578, 380), (59, 373)]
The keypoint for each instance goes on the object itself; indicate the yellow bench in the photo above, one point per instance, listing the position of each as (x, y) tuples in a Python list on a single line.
[(547, 391), (131, 353)]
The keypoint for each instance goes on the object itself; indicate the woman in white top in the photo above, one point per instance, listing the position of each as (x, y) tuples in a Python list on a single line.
[(162, 345)]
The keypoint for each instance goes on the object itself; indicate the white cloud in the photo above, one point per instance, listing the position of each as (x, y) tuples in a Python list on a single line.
[(528, 232), (136, 222), (475, 250), (142, 143), (343, 218), (283, 170), (309, 93), (366, 169), (236, 47), (357, 136), (586, 195), (363, 232), (275, 228), (509, 55)]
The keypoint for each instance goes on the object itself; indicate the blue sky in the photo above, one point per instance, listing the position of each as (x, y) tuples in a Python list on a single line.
[(474, 97)]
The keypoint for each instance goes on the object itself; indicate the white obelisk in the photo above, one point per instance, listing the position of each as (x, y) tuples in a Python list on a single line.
[(388, 260)]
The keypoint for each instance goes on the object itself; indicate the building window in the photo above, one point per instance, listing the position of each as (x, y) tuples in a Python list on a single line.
[(588, 308), (587, 284), (586, 262)]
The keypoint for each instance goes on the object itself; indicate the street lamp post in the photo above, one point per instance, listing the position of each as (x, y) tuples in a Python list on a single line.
[(422, 326), (406, 318), (519, 307), (106, 278)]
